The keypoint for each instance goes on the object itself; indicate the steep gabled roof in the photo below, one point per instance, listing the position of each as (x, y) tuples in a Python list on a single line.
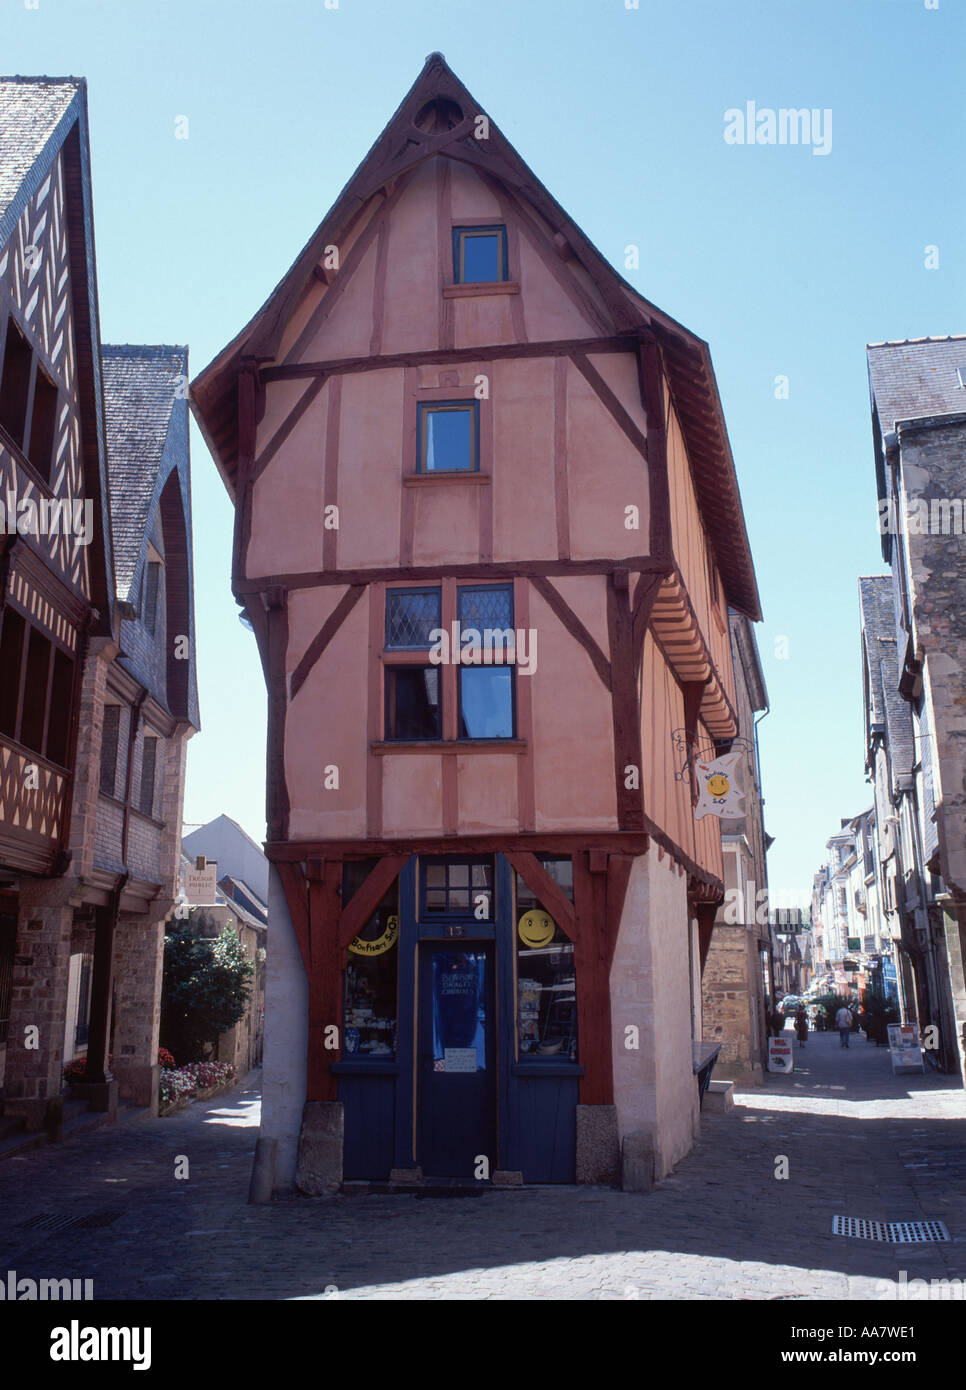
[(437, 116), (140, 385), (915, 378), (35, 114), (39, 118)]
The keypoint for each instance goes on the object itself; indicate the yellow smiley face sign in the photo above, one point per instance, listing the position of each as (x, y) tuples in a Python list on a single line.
[(381, 944), (536, 928), (718, 785)]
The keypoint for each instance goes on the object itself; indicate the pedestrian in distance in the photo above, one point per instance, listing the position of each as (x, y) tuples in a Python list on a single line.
[(843, 1022), (801, 1025)]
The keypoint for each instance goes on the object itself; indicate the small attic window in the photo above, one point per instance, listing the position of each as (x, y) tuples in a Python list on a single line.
[(438, 116), (479, 255)]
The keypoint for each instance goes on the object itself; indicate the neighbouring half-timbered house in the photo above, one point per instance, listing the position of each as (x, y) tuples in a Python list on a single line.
[(487, 533), (97, 694)]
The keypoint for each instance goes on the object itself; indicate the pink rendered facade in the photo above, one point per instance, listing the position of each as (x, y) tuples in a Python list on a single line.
[(592, 513)]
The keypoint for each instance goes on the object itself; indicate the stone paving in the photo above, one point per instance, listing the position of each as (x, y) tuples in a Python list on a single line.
[(858, 1142)]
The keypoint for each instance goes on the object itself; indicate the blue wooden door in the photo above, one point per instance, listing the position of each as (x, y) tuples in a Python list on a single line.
[(457, 1060)]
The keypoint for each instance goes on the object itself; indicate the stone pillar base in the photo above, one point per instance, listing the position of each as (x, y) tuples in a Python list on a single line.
[(319, 1171), (137, 1082), (598, 1145), (637, 1162), (101, 1096), (406, 1175)]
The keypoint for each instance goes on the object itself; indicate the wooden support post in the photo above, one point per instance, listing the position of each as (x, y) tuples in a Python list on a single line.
[(325, 977), (97, 1069), (625, 703), (593, 985)]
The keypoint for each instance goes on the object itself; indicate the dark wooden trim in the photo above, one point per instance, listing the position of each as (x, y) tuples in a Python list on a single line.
[(343, 366), (286, 427), (324, 636), (693, 692), (594, 1042), (348, 265), (625, 702), (618, 877), (330, 477), (296, 897), (559, 606), (367, 898), (552, 896), (651, 377), (402, 574), (645, 596), (553, 842), (277, 802), (561, 480), (325, 978), (246, 453), (681, 856), (609, 399)]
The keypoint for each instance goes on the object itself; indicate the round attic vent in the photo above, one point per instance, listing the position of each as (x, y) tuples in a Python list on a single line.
[(438, 115)]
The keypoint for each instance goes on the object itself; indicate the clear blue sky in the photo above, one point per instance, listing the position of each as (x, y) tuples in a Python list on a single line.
[(785, 261)]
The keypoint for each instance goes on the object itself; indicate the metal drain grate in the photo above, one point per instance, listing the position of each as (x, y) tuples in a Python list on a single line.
[(50, 1221), (898, 1232)]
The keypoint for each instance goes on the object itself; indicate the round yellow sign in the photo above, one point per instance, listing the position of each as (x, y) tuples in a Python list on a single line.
[(536, 928), (381, 943), (718, 785)]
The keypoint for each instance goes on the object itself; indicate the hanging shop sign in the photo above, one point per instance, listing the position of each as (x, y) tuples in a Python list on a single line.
[(200, 883), (536, 928), (904, 1050), (381, 944), (718, 792), (780, 1057)]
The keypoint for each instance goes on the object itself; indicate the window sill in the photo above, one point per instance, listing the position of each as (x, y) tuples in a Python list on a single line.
[(454, 475), (472, 289), (451, 746)]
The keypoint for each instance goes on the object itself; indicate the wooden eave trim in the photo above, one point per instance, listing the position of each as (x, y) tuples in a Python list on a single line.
[(554, 347), (402, 574)]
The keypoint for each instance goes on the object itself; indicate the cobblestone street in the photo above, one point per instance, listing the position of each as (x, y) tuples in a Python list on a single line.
[(859, 1142)]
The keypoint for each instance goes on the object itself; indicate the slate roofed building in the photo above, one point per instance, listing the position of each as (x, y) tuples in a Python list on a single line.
[(490, 897), (97, 679), (917, 393)]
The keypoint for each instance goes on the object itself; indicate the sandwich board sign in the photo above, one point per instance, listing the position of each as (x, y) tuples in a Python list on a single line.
[(904, 1049), (780, 1054)]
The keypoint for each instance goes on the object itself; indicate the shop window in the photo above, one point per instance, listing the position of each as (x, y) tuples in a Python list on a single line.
[(411, 616), (546, 973), (413, 703), (149, 757), (479, 255), (371, 975), (11, 664), (15, 383), (109, 744), (35, 692), (449, 437), (43, 424), (58, 731), (486, 690), (457, 888)]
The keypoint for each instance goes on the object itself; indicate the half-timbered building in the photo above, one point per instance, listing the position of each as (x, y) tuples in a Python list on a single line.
[(97, 686), (487, 533)]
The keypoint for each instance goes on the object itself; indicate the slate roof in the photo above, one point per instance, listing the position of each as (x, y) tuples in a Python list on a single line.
[(915, 378), (887, 707), (139, 395), (31, 112)]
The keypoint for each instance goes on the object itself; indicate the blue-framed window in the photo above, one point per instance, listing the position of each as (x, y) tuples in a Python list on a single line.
[(487, 690), (449, 437), (546, 972), (479, 255), (457, 888), (411, 615), (371, 976)]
